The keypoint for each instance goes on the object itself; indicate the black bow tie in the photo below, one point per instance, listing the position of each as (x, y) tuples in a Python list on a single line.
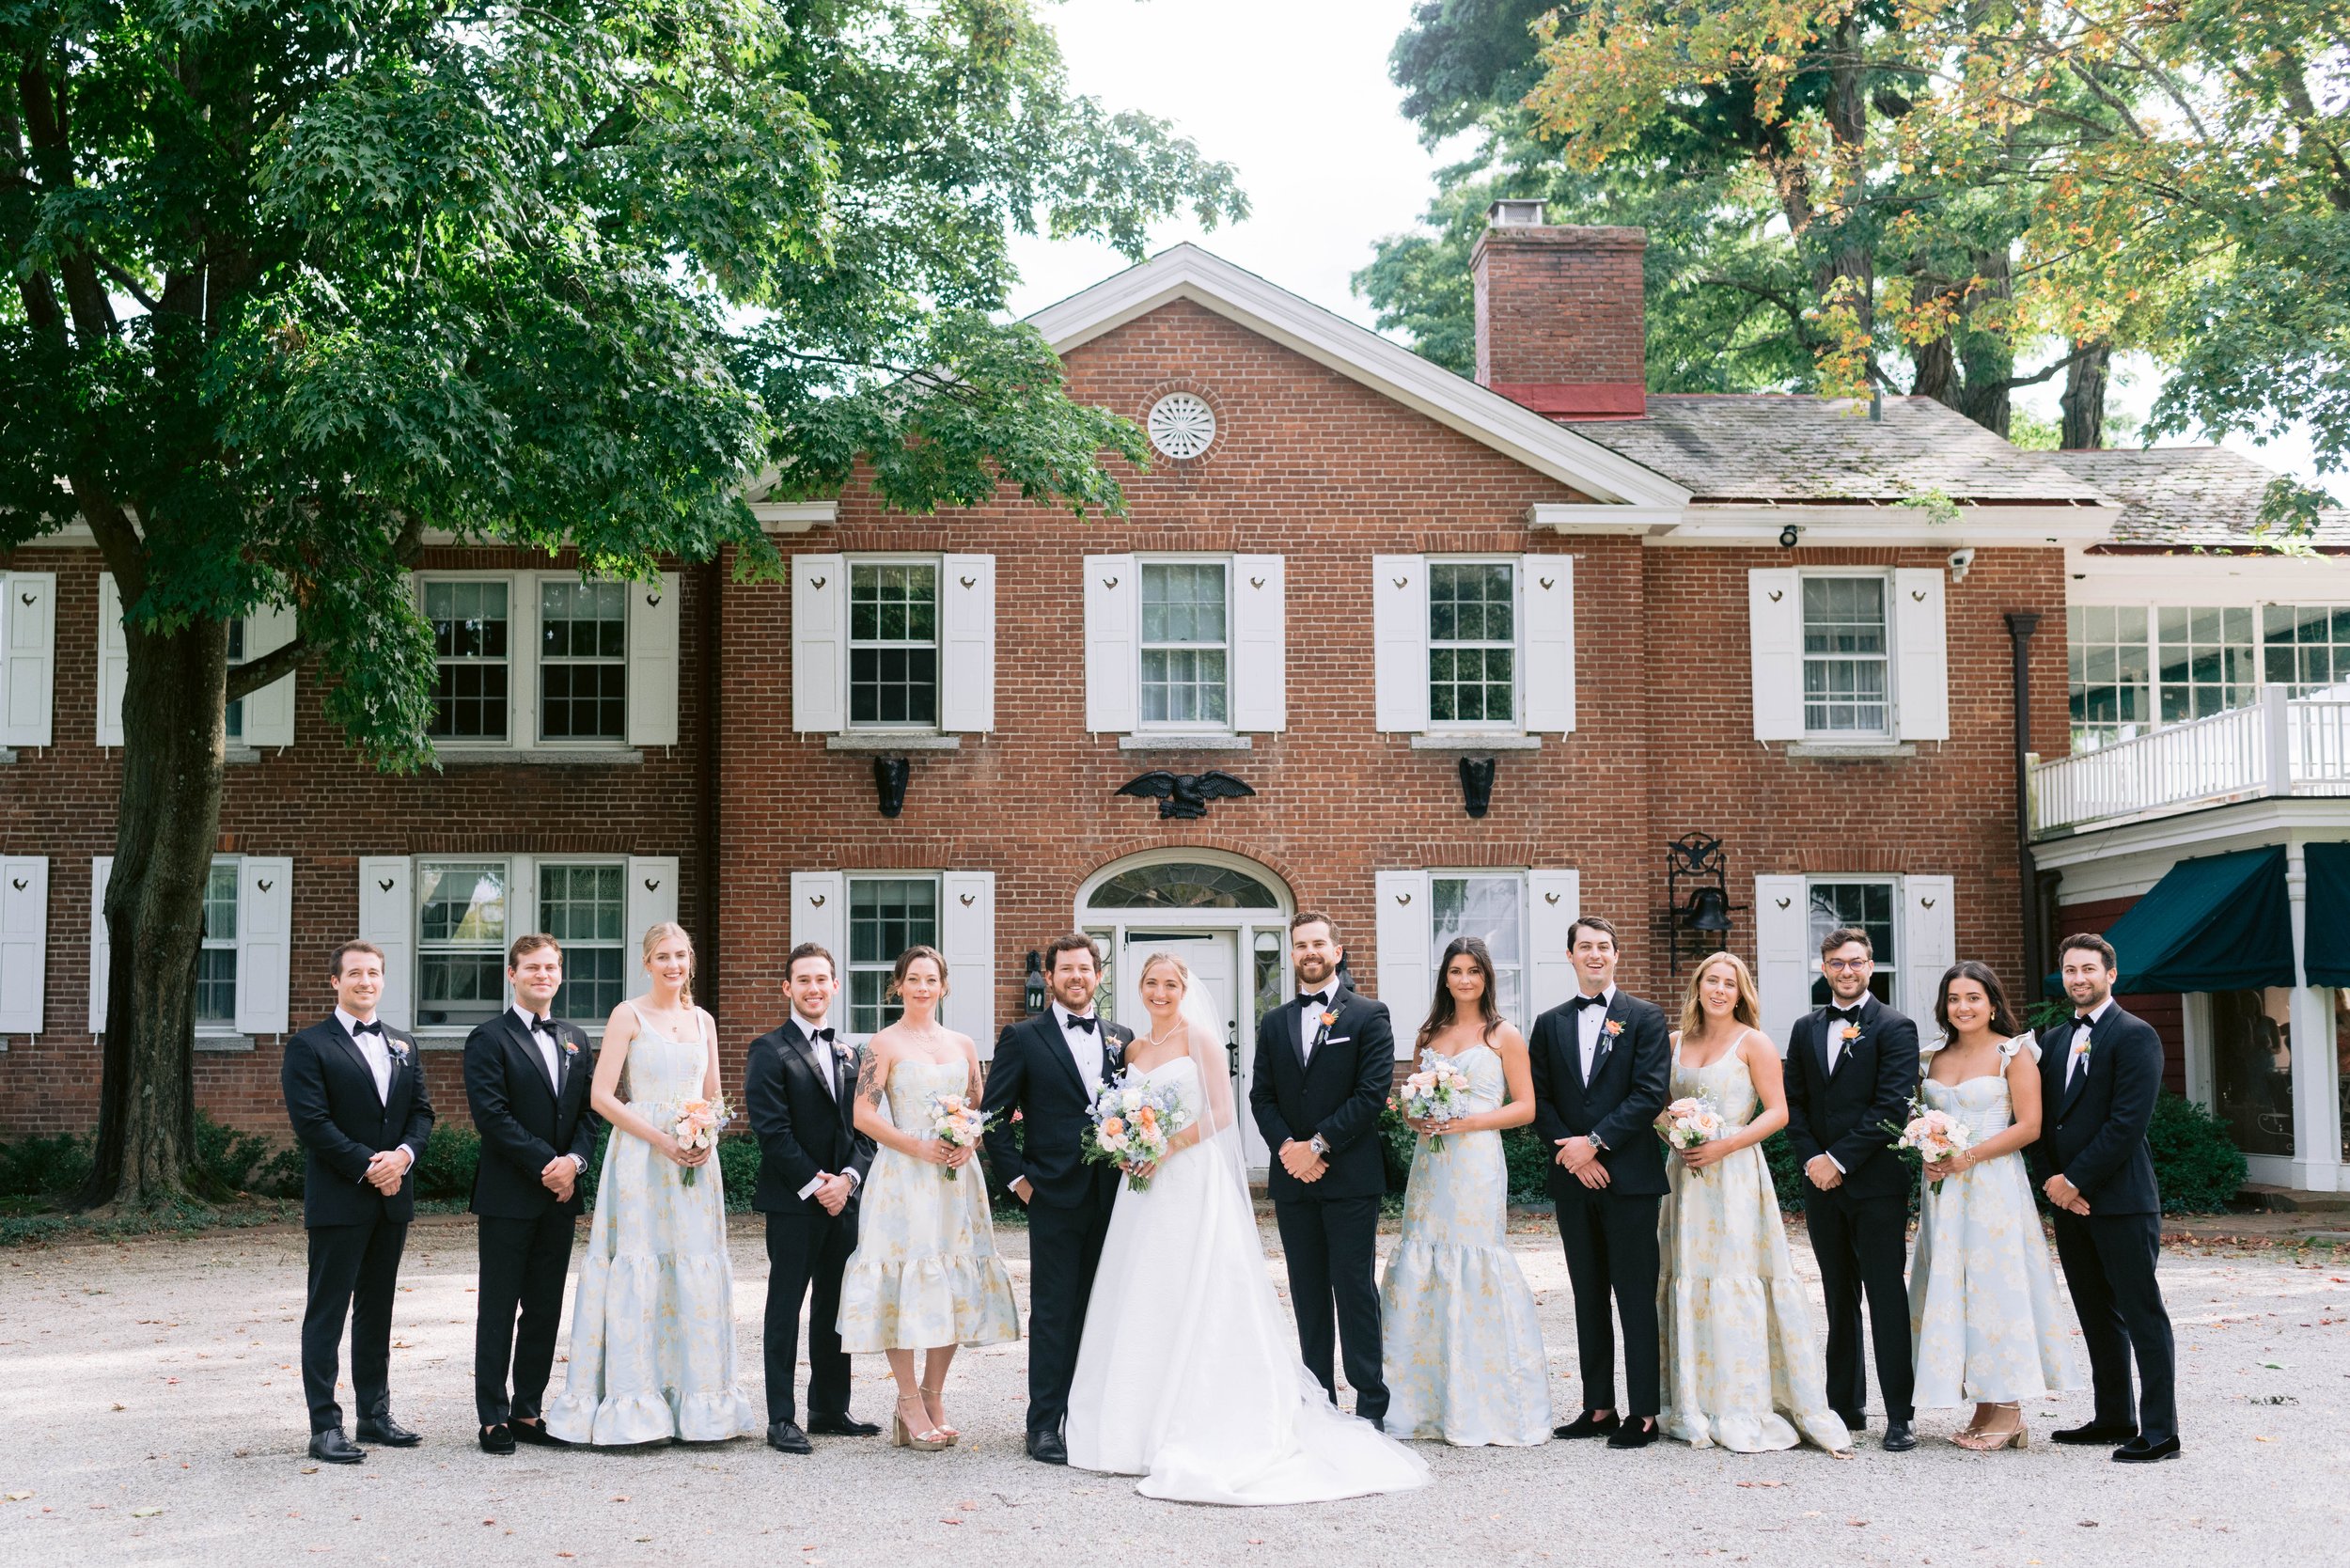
[(1599, 1001), (1848, 1014), (816, 1035), (2083, 1021), (376, 1029), (539, 1024), (1088, 1024), (1320, 1000)]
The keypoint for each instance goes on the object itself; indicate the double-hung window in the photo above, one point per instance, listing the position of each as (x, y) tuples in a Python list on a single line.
[(216, 962), (461, 934), (1869, 905), (1472, 643), (236, 657), (1493, 909), (887, 916), (583, 661), (893, 644), (1184, 645), (1847, 687), (1849, 659), (526, 660), (472, 643), (584, 906)]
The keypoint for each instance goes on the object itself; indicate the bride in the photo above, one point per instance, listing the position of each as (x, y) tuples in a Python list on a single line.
[(1187, 1374)]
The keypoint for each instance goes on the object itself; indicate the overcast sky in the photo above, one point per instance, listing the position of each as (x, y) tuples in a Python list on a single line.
[(1295, 94)]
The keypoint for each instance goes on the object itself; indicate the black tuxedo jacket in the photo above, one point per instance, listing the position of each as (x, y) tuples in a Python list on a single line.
[(1338, 1092), (1631, 1080), (342, 1124), (802, 1128), (2095, 1134), (524, 1120), (1033, 1073), (1843, 1114)]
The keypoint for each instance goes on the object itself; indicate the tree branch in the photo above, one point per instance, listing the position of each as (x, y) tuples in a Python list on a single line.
[(275, 666)]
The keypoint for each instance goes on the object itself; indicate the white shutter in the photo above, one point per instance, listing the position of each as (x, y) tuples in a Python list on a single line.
[(114, 660), (23, 942), (653, 661), (1399, 632), (101, 941), (819, 642), (264, 943), (966, 935), (1921, 661), (1782, 946), (269, 714), (1259, 629), (387, 917), (1553, 898), (28, 656), (819, 913), (1112, 592), (1775, 628), (651, 899), (1403, 934), (1547, 591), (966, 644), (1929, 944)]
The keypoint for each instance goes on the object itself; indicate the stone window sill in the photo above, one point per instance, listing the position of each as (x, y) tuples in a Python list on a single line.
[(1473, 744), (206, 1042), (881, 740), (1850, 751), (1169, 742), (547, 757)]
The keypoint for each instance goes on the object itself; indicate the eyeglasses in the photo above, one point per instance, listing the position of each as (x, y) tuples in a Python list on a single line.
[(1847, 965)]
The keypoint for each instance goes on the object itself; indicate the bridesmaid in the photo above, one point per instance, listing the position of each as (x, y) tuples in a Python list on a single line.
[(652, 1323), (1982, 1298), (925, 1275), (1464, 1347), (1739, 1358)]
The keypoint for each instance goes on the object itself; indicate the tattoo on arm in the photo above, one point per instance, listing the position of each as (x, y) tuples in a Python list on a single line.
[(972, 1091), (869, 1084)]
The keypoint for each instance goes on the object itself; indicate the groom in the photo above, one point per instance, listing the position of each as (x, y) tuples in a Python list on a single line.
[(1325, 1061), (1047, 1071)]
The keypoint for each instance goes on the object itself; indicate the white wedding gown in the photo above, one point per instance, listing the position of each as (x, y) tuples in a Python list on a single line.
[(1188, 1373)]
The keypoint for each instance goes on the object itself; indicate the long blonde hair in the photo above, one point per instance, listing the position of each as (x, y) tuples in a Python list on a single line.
[(661, 930), (1747, 1010)]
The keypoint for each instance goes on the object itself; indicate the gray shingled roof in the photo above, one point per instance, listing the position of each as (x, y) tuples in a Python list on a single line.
[(1792, 446), (2186, 496)]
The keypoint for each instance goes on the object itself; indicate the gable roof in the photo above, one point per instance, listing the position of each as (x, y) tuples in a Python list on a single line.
[(2189, 495), (1328, 339)]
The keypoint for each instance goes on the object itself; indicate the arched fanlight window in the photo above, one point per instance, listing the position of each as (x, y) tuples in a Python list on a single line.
[(1180, 885)]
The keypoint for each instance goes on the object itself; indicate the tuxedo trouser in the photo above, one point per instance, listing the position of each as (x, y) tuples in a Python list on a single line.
[(1611, 1248), (355, 1270), (805, 1255), (1863, 1247), (1064, 1250), (524, 1263), (2110, 1267), (1331, 1246)]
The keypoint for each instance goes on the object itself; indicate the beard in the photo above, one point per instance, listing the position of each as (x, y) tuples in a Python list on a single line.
[(1311, 972)]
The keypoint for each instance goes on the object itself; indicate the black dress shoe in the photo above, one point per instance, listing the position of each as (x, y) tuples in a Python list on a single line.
[(498, 1440), (383, 1430), (2139, 1451), (1587, 1425), (2094, 1436), (537, 1436), (840, 1425), (1047, 1447), (1635, 1436), (1899, 1437), (331, 1448), (786, 1437)]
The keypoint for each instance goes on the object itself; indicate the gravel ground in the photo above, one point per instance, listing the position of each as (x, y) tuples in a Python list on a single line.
[(150, 1412)]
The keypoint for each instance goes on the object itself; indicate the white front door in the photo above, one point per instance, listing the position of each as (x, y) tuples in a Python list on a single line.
[(1213, 964)]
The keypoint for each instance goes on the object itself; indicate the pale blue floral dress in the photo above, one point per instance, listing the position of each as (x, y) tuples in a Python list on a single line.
[(652, 1324), (1462, 1344), (925, 1272), (1985, 1315), (1741, 1368)]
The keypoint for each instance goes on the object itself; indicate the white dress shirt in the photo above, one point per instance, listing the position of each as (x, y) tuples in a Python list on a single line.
[(1085, 1047), (2080, 1041), (1836, 1022), (1587, 1023), (371, 1045), (543, 1035), (1311, 1006), (828, 1054)]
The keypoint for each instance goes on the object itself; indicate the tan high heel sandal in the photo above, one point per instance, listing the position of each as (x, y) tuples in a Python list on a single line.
[(901, 1436), (1991, 1440), (939, 1425)]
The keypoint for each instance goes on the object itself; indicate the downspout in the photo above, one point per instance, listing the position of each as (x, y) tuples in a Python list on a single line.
[(713, 598), (2020, 626)]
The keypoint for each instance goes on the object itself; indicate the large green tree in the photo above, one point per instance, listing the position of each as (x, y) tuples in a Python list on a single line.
[(298, 281)]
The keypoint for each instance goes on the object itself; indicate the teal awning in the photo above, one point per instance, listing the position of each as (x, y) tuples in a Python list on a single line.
[(2217, 922), (2325, 948)]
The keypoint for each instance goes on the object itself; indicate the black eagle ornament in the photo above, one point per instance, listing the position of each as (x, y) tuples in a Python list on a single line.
[(1185, 794)]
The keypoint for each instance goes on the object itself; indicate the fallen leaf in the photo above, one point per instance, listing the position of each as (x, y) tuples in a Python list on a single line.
[(309, 1469), (2088, 1523), (18, 1497), (145, 1513), (1856, 1523), (951, 1520)]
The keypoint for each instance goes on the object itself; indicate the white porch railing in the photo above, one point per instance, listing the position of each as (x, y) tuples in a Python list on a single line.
[(2274, 747)]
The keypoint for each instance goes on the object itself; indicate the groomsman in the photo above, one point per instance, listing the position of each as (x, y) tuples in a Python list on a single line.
[(1047, 1070), (1602, 1068), (1325, 1061), (526, 1078), (2099, 1074), (357, 1096), (798, 1086), (1852, 1068)]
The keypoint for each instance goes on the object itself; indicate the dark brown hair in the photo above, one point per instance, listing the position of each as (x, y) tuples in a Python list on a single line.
[(356, 945), (906, 960), (1313, 916), (1844, 935), (2002, 1021), (523, 947), (1071, 941), (2089, 942), (809, 949), (1596, 924), (1440, 1011)]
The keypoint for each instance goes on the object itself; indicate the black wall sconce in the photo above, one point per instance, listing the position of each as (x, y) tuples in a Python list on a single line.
[(1697, 898), (889, 783), (1032, 990), (1477, 784)]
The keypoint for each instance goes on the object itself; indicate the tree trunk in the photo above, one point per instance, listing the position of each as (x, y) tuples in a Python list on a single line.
[(174, 706), (1936, 370), (1987, 356), (2084, 400)]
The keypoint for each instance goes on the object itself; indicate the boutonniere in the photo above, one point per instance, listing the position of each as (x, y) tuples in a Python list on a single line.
[(1850, 1033), (1614, 1026), (571, 1047), (398, 1048), (1328, 1018)]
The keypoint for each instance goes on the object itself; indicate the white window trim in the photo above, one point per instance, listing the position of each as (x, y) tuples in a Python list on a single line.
[(523, 665), (849, 564), (1168, 726), (1525, 932), (1455, 728), (844, 1011), (1890, 658), (228, 1026)]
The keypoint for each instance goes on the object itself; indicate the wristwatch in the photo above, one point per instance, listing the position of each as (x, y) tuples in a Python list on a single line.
[(1596, 1141), (1320, 1146)]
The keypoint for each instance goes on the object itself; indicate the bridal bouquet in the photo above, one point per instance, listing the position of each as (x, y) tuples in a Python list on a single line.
[(1134, 1120), (697, 1125), (1937, 1135), (1690, 1121), (1439, 1092), (958, 1123)]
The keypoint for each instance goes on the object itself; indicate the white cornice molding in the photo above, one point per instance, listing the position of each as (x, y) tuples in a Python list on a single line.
[(1186, 271), (1566, 517), (2126, 857), (774, 517), (1835, 524)]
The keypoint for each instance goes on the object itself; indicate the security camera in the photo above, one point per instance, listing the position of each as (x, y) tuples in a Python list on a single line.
[(1960, 561), (1787, 537)]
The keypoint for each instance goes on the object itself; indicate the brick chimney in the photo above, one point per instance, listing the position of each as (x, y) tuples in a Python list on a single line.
[(1560, 326)]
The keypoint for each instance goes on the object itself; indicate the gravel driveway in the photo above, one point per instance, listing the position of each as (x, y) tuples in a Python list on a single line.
[(150, 1412)]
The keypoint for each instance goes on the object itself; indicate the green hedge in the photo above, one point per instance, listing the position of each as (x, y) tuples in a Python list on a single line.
[(2197, 1164)]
